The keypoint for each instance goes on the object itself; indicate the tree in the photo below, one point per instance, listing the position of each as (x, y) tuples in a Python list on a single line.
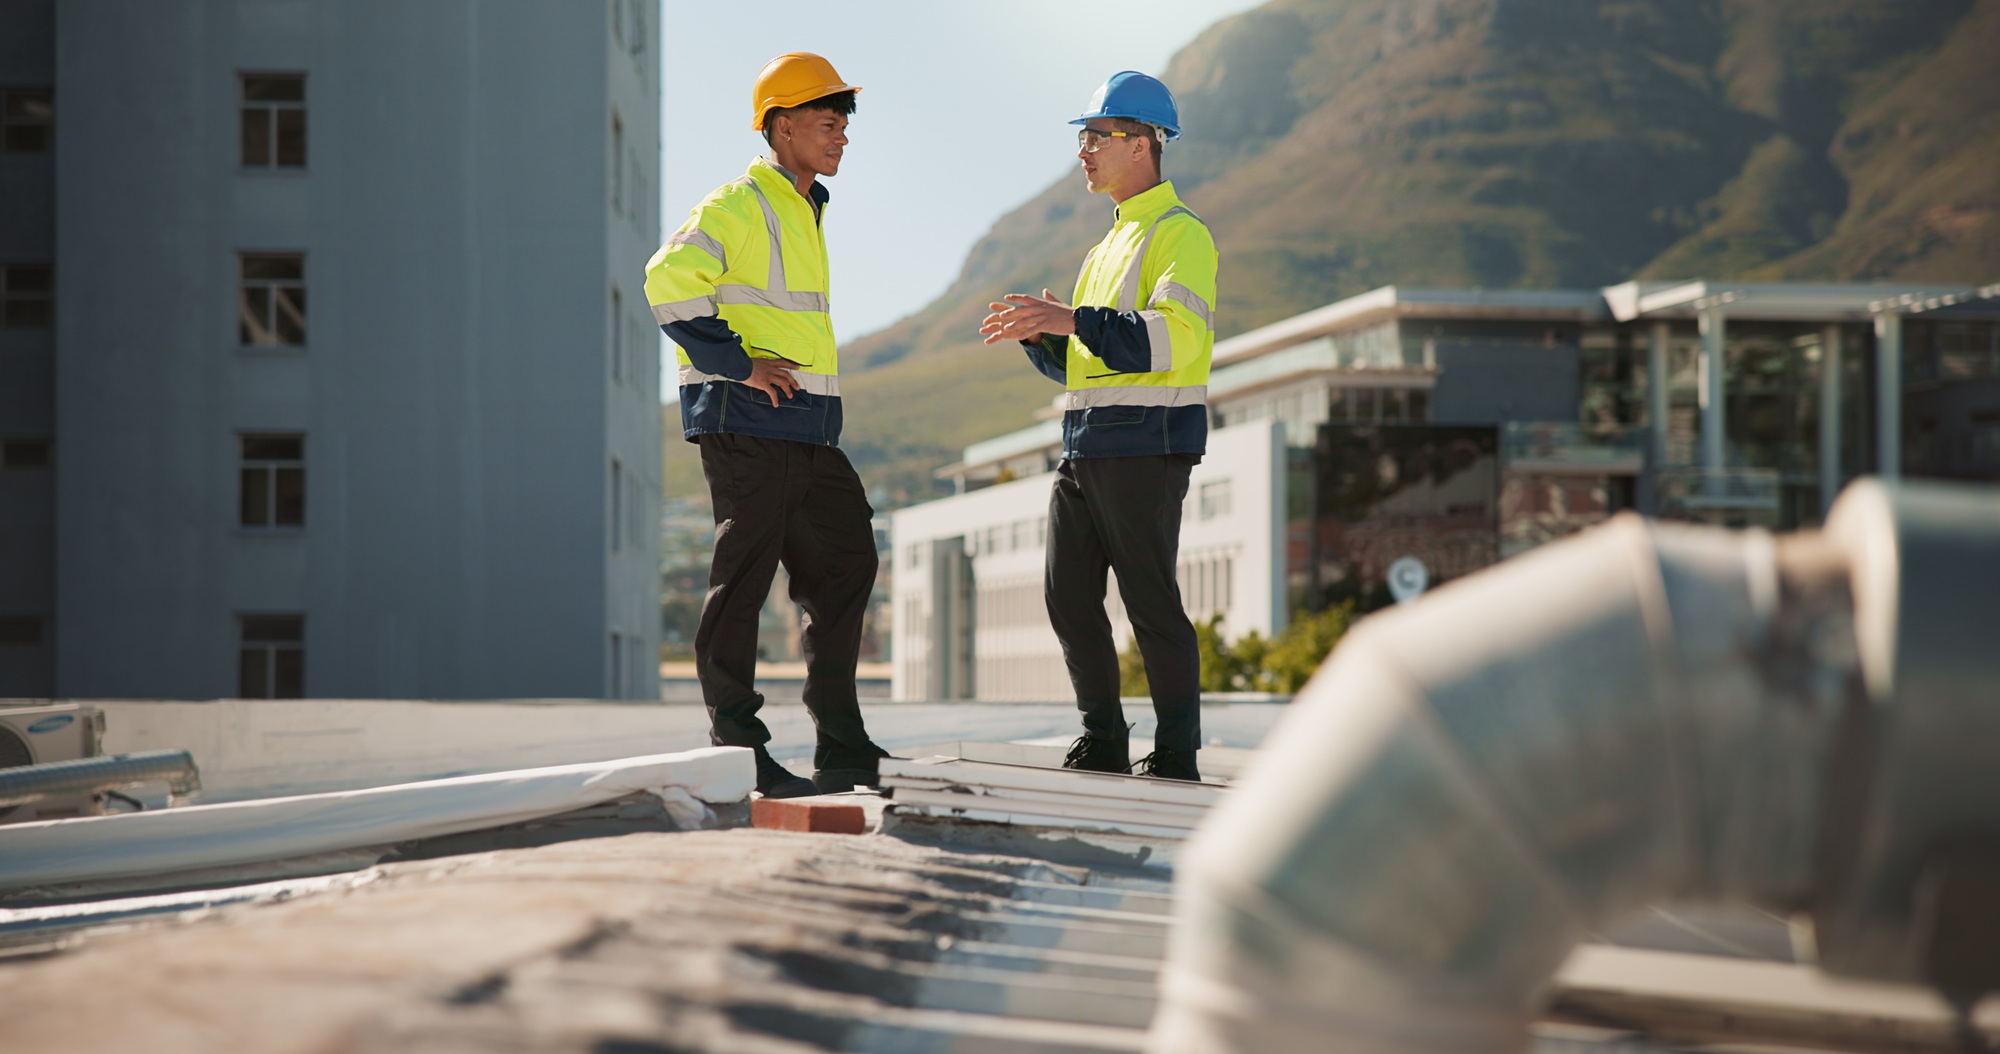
[(1281, 665), (1294, 654)]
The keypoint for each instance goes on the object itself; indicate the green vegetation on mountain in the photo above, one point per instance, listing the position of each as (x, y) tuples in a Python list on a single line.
[(1338, 145)]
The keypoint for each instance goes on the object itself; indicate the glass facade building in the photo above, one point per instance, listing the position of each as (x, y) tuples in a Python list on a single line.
[(1735, 405)]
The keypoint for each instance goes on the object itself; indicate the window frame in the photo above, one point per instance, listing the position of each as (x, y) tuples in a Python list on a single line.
[(617, 336), (617, 504), (270, 110), (9, 121), (617, 163), (1215, 498), (274, 290), (271, 652), (10, 297), (14, 623), (274, 472), (11, 445)]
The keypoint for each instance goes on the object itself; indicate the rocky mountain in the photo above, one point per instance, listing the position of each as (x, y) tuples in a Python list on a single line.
[(1337, 145)]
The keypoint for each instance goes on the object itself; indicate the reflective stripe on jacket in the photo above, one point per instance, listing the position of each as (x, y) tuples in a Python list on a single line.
[(752, 256), (1154, 274)]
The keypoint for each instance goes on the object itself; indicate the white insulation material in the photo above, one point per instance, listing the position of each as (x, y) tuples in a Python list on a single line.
[(144, 843)]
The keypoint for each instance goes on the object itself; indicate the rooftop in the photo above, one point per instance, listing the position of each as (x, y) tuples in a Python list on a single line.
[(622, 930)]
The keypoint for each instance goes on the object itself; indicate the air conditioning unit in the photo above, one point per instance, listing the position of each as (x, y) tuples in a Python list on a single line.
[(41, 733)]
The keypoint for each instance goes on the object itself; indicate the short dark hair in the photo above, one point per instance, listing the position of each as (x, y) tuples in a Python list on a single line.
[(1151, 132), (840, 102)]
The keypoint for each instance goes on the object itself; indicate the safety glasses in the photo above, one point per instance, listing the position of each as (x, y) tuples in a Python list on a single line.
[(1090, 140)]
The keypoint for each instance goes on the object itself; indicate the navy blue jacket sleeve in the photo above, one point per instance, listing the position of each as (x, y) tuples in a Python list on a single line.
[(1049, 355), (712, 346), (1117, 337)]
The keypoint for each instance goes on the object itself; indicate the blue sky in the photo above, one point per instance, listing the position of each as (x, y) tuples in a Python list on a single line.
[(962, 117)]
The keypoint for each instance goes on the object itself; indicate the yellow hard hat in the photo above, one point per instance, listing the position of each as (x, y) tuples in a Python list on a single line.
[(793, 79)]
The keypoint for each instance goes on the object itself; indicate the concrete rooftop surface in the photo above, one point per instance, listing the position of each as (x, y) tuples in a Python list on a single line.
[(611, 929)]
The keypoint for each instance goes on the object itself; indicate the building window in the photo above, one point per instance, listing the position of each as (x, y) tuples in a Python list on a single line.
[(1372, 406), (274, 120), (617, 666), (641, 508), (25, 453), (628, 25), (617, 336), (1214, 499), (23, 630), (272, 300), (27, 295), (27, 120), (274, 480), (635, 354), (617, 164), (271, 660), (617, 504), (639, 193)]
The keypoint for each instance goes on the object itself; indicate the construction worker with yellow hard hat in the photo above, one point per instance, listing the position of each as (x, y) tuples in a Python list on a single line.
[(1132, 353), (742, 290)]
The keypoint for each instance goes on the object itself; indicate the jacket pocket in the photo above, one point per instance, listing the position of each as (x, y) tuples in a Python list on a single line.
[(1112, 416), (794, 355), (754, 400)]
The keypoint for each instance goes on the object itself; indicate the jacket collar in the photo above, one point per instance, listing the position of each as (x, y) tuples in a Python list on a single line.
[(773, 171), (1148, 204)]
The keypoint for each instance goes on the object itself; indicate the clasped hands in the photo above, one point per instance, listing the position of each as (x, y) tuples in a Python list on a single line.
[(1026, 317)]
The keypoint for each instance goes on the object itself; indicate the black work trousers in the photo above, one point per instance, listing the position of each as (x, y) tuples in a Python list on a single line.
[(779, 501), (1123, 514)]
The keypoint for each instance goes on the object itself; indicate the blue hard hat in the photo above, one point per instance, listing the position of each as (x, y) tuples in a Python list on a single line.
[(1134, 95)]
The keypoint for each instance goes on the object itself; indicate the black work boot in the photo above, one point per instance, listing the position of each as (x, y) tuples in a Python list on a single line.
[(776, 781), (1099, 754), (838, 770), (1164, 764)]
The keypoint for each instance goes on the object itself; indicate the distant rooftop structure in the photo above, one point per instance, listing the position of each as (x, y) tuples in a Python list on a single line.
[(1375, 341), (1461, 427), (1826, 302), (1393, 302)]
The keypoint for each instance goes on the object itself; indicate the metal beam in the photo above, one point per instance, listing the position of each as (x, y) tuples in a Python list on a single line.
[(1889, 394), (1713, 365), (1830, 475), (1656, 388)]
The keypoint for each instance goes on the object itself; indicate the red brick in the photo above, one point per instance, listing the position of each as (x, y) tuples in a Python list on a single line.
[(791, 814)]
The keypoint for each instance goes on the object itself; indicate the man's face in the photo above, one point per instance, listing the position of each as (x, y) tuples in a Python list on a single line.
[(816, 140), (1117, 162)]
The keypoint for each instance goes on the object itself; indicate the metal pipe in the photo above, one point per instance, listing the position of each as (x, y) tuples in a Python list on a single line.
[(29, 783), (1645, 713)]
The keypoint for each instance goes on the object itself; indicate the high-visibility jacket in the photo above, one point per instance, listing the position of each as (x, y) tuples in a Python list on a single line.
[(746, 277), (1136, 372)]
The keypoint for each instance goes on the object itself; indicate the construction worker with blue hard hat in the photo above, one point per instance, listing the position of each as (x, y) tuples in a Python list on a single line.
[(1132, 353), (742, 289)]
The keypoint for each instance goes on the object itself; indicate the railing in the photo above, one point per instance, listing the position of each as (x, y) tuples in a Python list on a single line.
[(1560, 446), (1699, 490)]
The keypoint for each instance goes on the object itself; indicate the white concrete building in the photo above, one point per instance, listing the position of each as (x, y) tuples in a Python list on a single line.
[(970, 621)]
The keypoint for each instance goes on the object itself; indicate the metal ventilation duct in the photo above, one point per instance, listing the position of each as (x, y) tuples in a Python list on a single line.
[(29, 783), (1809, 724)]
